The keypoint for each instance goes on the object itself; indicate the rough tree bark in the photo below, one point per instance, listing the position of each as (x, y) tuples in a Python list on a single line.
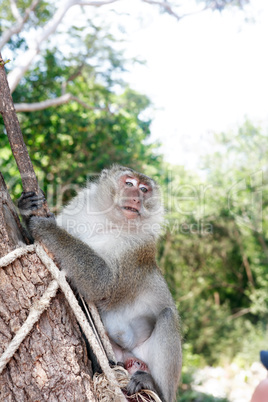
[(52, 363)]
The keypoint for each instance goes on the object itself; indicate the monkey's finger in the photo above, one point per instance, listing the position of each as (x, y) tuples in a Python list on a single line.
[(27, 194), (36, 197), (32, 194), (30, 201), (30, 205), (30, 197)]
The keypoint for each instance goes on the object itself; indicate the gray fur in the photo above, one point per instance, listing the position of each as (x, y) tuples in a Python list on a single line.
[(113, 265)]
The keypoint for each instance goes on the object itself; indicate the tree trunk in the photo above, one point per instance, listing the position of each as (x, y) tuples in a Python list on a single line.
[(49, 361), (51, 364), (11, 232), (43, 357)]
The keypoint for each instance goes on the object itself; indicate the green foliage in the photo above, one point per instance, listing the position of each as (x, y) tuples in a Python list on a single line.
[(214, 253), (42, 12), (74, 141)]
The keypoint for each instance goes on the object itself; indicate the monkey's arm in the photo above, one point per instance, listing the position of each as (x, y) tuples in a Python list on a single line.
[(82, 265)]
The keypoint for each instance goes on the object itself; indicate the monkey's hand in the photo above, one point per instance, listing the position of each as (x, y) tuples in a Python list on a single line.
[(30, 205), (139, 381)]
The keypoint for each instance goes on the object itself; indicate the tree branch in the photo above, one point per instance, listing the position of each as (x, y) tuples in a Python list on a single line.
[(15, 11), (95, 3), (240, 313), (33, 107), (17, 27), (18, 147), (71, 78), (262, 241), (244, 258), (12, 232), (168, 8), (11, 122), (26, 59)]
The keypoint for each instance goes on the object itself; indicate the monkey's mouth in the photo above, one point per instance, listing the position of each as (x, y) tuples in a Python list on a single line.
[(131, 209), (130, 212)]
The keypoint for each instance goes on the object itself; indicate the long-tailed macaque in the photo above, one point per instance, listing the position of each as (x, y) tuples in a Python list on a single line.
[(105, 241)]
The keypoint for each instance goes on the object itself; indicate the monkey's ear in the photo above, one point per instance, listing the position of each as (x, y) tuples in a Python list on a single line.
[(111, 171), (104, 173)]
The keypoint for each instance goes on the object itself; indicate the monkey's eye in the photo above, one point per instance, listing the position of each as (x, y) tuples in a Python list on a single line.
[(144, 189), (131, 182)]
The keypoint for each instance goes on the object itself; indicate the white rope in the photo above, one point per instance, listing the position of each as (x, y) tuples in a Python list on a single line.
[(17, 253), (81, 318), (92, 334), (35, 312), (38, 308)]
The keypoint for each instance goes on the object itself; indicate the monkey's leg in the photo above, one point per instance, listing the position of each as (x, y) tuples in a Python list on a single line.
[(162, 353), (165, 354)]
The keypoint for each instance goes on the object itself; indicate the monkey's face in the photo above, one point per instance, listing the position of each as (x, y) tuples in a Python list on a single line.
[(130, 200), (133, 193)]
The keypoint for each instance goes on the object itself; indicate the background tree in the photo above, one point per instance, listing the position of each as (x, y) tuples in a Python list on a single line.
[(24, 283), (215, 249), (42, 20), (83, 136)]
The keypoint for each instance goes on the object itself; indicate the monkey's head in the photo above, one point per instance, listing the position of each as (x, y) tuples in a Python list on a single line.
[(129, 197)]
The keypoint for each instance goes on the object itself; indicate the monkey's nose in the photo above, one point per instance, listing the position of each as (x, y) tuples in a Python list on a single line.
[(136, 200)]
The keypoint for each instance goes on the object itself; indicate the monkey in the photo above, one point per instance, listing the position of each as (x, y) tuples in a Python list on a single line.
[(105, 241)]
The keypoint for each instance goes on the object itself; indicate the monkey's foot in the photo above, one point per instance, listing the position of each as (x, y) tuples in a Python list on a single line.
[(140, 380)]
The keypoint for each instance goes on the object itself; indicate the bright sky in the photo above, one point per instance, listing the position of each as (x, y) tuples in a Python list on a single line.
[(204, 73)]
